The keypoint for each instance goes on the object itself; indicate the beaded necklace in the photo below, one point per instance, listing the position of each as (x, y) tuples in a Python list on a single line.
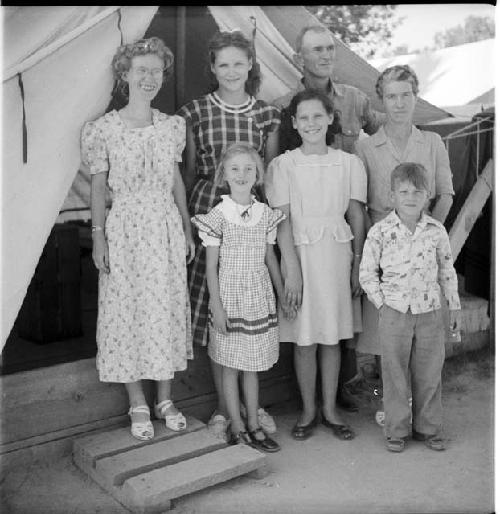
[(233, 109)]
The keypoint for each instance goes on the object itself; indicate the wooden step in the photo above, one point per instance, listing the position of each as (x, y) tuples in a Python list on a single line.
[(145, 476)]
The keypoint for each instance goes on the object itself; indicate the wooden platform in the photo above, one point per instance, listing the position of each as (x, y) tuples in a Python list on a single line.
[(145, 476)]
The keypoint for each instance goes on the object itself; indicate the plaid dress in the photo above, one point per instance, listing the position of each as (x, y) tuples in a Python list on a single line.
[(216, 126), (251, 342)]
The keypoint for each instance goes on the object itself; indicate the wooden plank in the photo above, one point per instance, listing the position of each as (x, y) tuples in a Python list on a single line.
[(55, 398), (89, 449), (155, 489), (471, 209), (86, 428), (115, 470)]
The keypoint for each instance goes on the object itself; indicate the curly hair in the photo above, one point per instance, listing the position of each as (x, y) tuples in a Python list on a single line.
[(238, 148), (399, 72), (234, 39), (122, 60)]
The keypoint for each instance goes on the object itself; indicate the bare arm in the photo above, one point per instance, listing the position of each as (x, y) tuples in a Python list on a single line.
[(372, 119), (444, 180), (100, 252), (215, 302), (189, 168), (179, 193), (292, 271), (272, 146), (355, 218), (274, 272), (272, 150), (442, 207)]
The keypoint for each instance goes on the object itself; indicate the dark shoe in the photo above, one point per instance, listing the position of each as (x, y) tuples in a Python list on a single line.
[(342, 432), (395, 444), (303, 432), (434, 442), (267, 444), (345, 403), (240, 438)]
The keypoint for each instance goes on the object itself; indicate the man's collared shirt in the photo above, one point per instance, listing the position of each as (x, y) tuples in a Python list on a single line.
[(408, 271), (352, 108)]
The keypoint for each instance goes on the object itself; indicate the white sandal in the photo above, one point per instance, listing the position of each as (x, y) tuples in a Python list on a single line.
[(142, 430), (176, 422)]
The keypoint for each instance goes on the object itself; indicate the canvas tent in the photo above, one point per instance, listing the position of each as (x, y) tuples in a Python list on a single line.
[(470, 66), (56, 76)]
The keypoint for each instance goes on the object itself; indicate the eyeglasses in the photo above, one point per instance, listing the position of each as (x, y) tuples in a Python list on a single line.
[(141, 71)]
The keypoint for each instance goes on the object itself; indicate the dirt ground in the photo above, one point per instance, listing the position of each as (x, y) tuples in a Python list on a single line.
[(323, 475)]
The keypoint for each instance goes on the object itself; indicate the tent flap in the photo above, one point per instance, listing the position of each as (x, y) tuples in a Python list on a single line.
[(63, 88)]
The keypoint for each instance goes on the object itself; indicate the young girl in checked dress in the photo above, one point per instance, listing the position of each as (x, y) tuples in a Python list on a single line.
[(239, 234)]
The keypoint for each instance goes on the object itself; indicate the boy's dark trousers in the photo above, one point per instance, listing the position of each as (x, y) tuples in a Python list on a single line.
[(413, 342)]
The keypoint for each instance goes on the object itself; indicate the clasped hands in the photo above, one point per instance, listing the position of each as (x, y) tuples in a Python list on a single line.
[(291, 299)]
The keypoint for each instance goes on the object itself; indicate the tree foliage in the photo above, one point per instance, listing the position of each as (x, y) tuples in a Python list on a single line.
[(475, 28), (366, 29)]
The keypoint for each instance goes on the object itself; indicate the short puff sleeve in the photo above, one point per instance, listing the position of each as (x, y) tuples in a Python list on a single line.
[(277, 182), (358, 180), (209, 227), (94, 151), (272, 118), (274, 218)]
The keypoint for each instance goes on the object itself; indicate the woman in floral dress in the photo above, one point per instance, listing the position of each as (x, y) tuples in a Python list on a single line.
[(140, 248)]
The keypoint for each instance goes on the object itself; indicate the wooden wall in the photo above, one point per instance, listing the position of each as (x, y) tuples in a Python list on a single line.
[(60, 401)]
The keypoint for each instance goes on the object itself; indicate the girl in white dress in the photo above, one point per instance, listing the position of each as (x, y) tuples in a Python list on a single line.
[(239, 234), (318, 188)]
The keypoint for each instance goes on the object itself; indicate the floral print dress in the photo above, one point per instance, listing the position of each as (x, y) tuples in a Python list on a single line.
[(143, 324)]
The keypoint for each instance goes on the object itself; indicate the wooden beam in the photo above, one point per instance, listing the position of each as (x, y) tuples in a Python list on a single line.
[(471, 209), (66, 396), (180, 56), (492, 268)]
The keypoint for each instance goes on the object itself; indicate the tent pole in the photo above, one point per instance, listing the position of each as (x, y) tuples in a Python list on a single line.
[(180, 58)]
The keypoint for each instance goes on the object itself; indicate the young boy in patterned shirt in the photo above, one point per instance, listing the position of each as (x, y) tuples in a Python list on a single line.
[(406, 264)]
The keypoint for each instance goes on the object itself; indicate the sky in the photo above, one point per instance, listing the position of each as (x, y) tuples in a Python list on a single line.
[(422, 21)]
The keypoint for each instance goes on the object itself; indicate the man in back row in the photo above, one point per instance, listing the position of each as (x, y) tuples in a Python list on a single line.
[(315, 53)]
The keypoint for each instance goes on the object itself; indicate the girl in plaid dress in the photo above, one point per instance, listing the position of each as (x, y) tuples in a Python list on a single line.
[(239, 234), (228, 114)]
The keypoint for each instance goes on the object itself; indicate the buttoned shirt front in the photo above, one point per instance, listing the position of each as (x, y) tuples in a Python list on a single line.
[(380, 157), (352, 107), (408, 271)]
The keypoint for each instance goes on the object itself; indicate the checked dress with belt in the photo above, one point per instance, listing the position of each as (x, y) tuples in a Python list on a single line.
[(216, 125)]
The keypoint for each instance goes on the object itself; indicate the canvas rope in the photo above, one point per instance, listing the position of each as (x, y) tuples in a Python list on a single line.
[(25, 131)]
